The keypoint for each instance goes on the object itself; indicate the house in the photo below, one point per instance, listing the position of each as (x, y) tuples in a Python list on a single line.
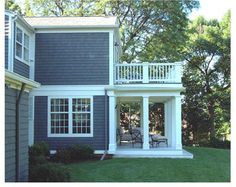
[(74, 84)]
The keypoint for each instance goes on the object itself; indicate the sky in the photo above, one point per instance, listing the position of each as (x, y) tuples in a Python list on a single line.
[(212, 9)]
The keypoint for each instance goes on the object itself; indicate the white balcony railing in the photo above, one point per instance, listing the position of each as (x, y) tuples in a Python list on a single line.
[(148, 73)]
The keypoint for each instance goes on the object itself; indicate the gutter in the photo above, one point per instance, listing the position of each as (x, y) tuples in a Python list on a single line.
[(17, 154), (105, 129)]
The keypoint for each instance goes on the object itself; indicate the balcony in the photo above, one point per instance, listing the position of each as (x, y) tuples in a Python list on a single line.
[(153, 73)]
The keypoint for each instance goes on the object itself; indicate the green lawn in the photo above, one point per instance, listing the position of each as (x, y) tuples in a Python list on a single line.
[(208, 165)]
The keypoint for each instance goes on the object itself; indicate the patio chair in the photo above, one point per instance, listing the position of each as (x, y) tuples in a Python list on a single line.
[(157, 139), (123, 136), (136, 136)]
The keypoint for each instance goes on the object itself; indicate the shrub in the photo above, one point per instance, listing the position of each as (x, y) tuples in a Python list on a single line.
[(49, 172), (81, 152), (39, 149), (63, 156), (216, 143)]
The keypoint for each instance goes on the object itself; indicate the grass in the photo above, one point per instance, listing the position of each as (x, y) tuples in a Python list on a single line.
[(208, 165)]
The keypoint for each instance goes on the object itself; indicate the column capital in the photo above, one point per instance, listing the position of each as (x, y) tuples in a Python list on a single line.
[(145, 96)]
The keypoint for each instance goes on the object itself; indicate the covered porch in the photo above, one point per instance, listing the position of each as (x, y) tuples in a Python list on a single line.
[(171, 102)]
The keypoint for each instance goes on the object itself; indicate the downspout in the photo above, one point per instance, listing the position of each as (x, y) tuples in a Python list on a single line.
[(105, 129), (17, 156)]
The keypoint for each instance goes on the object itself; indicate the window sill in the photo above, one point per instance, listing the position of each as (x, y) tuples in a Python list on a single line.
[(70, 135), (21, 60)]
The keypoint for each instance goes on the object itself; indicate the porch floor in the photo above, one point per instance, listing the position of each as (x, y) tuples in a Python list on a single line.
[(161, 151)]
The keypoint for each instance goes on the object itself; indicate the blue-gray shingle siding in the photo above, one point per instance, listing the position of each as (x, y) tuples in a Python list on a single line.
[(40, 126), (6, 40), (72, 58), (21, 68), (10, 138)]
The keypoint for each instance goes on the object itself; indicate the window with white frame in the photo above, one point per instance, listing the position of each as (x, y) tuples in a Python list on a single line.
[(22, 45), (70, 117)]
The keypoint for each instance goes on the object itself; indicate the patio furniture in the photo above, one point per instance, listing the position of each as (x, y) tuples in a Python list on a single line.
[(157, 139), (136, 136), (123, 136)]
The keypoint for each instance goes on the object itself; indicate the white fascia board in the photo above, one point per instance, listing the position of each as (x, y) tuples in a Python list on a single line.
[(73, 90), (76, 27), (15, 80), (24, 24), (73, 30), (147, 87)]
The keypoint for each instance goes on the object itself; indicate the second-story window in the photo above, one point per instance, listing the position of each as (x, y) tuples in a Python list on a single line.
[(22, 45)]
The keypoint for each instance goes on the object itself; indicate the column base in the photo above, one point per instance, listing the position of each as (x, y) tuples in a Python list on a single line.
[(146, 145), (112, 148)]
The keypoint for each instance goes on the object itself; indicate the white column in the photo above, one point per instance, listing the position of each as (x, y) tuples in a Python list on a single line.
[(112, 124), (141, 115), (145, 122), (169, 122), (176, 123)]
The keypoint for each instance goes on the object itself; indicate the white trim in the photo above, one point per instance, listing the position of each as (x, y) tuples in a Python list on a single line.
[(32, 57), (147, 94), (95, 152), (112, 124), (70, 134), (111, 58), (145, 117), (73, 30), (31, 120), (15, 80), (70, 90)]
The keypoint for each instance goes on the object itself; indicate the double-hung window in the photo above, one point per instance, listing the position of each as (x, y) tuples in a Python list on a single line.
[(22, 45), (70, 117)]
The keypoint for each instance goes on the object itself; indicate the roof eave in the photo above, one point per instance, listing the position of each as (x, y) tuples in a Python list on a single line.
[(75, 26)]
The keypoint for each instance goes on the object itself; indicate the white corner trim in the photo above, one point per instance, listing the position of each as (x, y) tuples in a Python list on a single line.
[(70, 134), (111, 57), (31, 120)]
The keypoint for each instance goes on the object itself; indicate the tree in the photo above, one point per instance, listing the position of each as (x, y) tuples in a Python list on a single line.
[(12, 6), (142, 23), (207, 72), (28, 10)]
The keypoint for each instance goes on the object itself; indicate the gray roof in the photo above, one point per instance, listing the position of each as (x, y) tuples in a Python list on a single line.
[(72, 22)]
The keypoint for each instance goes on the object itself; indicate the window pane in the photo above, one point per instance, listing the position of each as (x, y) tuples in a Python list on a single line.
[(81, 105), (59, 123), (18, 50), (19, 35), (81, 123), (26, 54), (26, 41), (59, 105)]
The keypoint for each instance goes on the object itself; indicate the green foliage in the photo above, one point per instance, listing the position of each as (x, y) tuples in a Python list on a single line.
[(12, 6), (81, 152), (28, 11), (49, 172), (41, 170), (73, 154), (63, 155), (150, 30), (207, 78), (39, 149)]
